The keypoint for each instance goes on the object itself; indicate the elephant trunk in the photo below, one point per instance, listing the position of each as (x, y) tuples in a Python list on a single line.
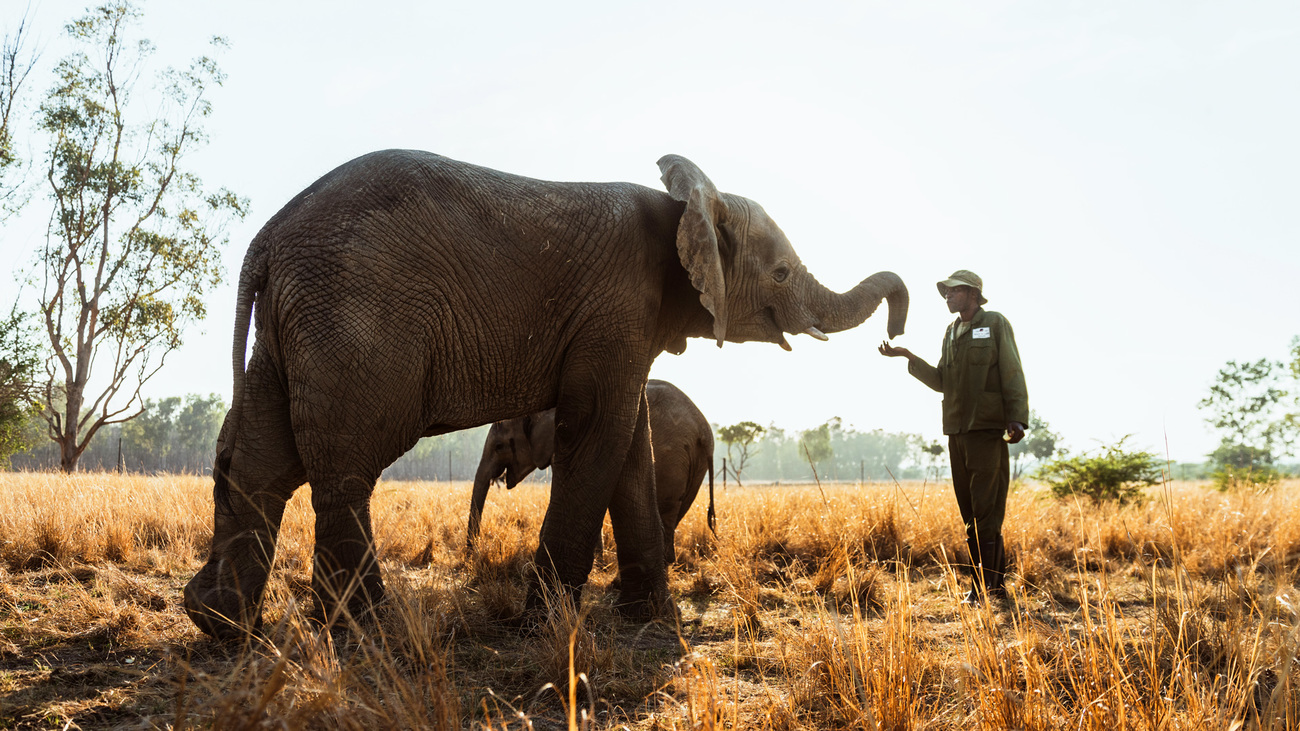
[(487, 471), (838, 312)]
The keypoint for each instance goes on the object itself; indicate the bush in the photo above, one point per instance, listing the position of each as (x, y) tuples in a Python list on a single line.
[(1114, 475), (1242, 466), (1256, 477)]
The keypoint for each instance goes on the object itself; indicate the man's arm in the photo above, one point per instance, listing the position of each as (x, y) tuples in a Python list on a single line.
[(924, 372), (1015, 396)]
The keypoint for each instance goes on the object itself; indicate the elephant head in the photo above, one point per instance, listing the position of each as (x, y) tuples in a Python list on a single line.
[(749, 277), (515, 448)]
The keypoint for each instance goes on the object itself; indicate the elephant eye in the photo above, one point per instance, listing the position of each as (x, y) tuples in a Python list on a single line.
[(781, 273)]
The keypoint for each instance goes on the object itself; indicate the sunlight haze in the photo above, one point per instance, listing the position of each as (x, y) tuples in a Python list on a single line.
[(1122, 175)]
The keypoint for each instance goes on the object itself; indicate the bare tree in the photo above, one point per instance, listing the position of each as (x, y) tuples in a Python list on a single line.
[(134, 239)]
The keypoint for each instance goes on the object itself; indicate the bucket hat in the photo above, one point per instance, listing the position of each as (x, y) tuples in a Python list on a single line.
[(963, 278)]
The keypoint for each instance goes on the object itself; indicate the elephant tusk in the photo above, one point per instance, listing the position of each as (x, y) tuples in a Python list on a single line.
[(816, 333), (785, 345)]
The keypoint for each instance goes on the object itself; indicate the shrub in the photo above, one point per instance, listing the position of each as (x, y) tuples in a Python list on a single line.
[(1256, 477), (1242, 466), (1114, 475)]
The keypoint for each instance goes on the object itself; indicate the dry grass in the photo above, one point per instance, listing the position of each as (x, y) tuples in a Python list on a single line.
[(813, 609)]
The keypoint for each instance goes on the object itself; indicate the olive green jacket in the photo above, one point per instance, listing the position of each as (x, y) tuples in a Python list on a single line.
[(979, 374)]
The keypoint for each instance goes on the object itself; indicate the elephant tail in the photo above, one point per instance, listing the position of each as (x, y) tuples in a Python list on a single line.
[(713, 518), (252, 279)]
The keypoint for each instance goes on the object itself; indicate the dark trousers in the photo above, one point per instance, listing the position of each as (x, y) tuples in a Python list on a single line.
[(981, 475)]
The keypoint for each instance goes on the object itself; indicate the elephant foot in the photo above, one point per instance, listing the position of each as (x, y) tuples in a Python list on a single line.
[(543, 597), (545, 601), (643, 594), (335, 607), (217, 607), (645, 609), (643, 601)]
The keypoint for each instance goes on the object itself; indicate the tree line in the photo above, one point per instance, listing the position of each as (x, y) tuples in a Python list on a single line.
[(179, 434), (134, 239)]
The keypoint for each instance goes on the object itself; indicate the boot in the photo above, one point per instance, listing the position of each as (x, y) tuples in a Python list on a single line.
[(993, 568), (972, 597)]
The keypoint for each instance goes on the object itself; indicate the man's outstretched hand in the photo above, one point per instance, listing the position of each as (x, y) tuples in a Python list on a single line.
[(890, 351)]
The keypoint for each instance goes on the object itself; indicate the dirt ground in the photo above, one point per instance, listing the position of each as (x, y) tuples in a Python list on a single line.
[(144, 665)]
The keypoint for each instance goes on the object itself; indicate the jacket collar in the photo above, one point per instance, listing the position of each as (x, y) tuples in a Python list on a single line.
[(977, 319)]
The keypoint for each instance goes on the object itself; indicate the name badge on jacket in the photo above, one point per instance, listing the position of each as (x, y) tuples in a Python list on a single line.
[(979, 332)]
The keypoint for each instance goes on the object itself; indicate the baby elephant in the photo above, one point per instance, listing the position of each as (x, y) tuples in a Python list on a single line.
[(681, 443)]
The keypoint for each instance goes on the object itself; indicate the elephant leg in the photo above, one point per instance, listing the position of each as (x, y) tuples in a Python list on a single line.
[(254, 477), (591, 446), (639, 532), (345, 569), (352, 417)]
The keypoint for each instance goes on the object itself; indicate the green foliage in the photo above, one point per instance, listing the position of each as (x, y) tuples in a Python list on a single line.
[(1294, 365), (1262, 478), (174, 434), (1244, 405), (19, 361), (815, 444), (1291, 422), (873, 455), (931, 455), (1239, 466), (1039, 444), (1113, 475), (15, 65), (1248, 404), (739, 439), (135, 239), (876, 453)]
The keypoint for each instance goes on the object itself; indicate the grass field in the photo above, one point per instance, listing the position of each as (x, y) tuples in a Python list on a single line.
[(814, 608)]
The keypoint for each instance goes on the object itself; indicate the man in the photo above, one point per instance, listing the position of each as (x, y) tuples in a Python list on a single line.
[(985, 407)]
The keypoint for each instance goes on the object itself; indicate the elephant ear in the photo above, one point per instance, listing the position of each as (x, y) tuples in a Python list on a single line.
[(697, 235)]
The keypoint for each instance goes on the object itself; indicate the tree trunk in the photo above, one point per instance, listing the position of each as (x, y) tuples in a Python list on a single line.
[(69, 450), (68, 453)]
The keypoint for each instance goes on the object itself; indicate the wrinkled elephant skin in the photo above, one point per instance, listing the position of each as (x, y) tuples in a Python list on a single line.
[(681, 443), (406, 294)]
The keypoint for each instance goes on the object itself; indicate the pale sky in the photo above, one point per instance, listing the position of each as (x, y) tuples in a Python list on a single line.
[(1123, 175)]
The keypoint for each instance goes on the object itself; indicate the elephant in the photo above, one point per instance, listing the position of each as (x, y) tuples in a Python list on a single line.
[(681, 444), (376, 299)]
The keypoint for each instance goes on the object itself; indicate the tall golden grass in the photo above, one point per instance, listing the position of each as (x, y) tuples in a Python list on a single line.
[(813, 608)]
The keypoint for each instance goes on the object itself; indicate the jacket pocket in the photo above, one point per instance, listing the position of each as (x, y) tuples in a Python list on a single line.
[(981, 353)]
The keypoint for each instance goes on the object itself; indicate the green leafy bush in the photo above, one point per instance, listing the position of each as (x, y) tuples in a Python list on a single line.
[(1113, 475), (1258, 477), (1241, 466)]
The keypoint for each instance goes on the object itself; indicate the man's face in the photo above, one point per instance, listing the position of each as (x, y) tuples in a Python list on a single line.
[(959, 298)]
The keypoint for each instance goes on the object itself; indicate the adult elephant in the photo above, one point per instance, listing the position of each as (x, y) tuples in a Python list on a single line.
[(382, 315), (681, 445)]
